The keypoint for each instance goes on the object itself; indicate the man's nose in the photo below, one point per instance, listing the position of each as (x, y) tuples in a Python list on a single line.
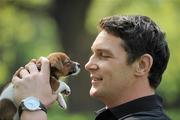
[(87, 65), (91, 65)]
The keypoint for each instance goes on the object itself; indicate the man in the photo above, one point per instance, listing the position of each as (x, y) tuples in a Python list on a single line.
[(129, 56), (128, 59)]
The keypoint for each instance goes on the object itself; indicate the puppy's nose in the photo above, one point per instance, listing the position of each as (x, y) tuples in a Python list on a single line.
[(78, 65)]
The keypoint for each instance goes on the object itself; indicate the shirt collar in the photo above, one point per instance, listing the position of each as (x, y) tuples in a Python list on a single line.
[(146, 103)]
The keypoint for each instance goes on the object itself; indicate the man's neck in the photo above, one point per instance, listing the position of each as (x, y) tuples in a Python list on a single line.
[(137, 90)]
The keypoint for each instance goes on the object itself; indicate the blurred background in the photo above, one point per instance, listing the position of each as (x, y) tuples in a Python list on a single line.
[(33, 28)]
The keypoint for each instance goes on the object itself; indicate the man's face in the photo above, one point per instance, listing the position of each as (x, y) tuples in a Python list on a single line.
[(109, 72)]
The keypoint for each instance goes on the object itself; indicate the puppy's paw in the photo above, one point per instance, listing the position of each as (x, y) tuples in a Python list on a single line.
[(64, 88), (61, 101)]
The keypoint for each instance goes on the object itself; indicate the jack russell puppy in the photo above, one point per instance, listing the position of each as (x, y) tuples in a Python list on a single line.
[(60, 65)]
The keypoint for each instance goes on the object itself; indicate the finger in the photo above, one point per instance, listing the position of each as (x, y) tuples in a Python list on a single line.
[(54, 98), (23, 73), (45, 68), (31, 67), (33, 60), (15, 79), (17, 72)]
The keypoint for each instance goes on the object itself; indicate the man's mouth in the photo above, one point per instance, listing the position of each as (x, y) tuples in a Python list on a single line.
[(95, 78)]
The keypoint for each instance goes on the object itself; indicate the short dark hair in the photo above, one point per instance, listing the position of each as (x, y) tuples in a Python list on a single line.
[(140, 35)]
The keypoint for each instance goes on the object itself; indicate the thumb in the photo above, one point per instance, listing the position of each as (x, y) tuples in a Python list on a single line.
[(53, 99)]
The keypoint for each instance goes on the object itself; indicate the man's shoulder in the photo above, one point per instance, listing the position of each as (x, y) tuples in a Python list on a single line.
[(150, 115)]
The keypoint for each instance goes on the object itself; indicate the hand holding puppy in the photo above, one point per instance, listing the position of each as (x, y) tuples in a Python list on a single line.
[(60, 65), (40, 81), (33, 82)]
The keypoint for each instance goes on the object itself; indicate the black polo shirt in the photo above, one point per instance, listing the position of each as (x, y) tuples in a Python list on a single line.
[(145, 108)]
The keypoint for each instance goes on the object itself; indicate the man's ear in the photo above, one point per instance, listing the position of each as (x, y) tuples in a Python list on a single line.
[(144, 64)]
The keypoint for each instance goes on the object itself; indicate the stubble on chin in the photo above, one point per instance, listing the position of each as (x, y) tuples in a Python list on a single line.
[(95, 92), (92, 91)]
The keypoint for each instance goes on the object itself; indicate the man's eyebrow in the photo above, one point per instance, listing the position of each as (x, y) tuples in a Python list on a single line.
[(104, 50), (101, 50)]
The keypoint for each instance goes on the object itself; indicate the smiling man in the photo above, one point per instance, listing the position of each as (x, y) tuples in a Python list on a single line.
[(128, 59)]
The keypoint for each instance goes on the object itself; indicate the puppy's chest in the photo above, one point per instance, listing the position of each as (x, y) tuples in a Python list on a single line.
[(7, 92)]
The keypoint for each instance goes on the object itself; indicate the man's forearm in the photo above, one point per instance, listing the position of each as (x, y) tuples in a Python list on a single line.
[(36, 115)]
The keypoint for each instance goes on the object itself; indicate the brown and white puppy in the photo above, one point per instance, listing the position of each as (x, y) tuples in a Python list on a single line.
[(60, 65)]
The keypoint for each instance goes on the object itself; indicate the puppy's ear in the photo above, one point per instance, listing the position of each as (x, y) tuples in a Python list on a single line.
[(7, 109), (56, 63), (144, 65), (54, 83)]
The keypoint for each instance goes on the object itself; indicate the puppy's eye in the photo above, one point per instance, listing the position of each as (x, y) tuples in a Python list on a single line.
[(66, 62)]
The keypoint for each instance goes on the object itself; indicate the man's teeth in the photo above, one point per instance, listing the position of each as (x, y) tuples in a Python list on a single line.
[(96, 78)]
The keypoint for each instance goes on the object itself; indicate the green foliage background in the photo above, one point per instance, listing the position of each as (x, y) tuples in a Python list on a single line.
[(24, 36)]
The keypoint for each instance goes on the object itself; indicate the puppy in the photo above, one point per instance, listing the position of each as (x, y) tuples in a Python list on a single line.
[(60, 65)]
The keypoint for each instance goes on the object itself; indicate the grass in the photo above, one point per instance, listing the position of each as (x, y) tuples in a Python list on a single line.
[(56, 113), (174, 113)]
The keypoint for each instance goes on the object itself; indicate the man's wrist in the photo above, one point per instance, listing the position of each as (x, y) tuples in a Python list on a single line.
[(31, 104), (35, 115)]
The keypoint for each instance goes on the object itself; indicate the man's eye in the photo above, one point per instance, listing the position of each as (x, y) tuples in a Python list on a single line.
[(104, 55)]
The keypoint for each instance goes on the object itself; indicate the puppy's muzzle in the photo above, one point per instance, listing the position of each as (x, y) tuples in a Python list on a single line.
[(75, 69)]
